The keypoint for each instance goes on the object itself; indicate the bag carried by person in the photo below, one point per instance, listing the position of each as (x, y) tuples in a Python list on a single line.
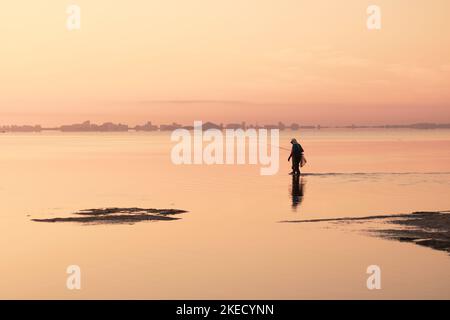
[(302, 161)]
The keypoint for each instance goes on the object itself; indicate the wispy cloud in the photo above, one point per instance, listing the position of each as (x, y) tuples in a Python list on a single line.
[(195, 101)]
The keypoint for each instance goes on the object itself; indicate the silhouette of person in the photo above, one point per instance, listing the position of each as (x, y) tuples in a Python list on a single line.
[(296, 155), (297, 191)]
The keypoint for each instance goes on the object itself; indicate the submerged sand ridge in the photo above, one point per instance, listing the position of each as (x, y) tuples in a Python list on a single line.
[(116, 215), (426, 228)]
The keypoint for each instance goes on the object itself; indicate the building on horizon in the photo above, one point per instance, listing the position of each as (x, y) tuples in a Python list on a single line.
[(210, 125), (170, 127), (146, 127), (21, 128), (87, 126), (235, 126)]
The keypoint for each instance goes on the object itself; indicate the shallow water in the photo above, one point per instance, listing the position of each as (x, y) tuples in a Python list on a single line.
[(231, 243)]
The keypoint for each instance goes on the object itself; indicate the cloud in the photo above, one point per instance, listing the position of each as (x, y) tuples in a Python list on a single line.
[(194, 101)]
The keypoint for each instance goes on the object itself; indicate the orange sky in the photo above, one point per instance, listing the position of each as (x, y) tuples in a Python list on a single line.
[(309, 61)]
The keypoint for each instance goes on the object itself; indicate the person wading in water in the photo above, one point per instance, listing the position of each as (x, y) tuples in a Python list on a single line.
[(298, 159)]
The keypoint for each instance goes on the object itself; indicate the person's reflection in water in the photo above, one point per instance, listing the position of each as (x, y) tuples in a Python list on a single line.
[(297, 191)]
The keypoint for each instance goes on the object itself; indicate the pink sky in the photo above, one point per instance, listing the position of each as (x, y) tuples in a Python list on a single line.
[(260, 61)]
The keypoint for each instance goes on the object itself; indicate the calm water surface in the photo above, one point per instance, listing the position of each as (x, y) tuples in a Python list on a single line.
[(231, 243)]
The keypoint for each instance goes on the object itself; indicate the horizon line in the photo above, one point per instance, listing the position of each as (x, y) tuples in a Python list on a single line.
[(87, 125)]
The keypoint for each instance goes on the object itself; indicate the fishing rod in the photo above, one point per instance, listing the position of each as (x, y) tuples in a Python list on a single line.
[(282, 148)]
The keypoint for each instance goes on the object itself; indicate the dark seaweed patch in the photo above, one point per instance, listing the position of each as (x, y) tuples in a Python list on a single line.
[(117, 216)]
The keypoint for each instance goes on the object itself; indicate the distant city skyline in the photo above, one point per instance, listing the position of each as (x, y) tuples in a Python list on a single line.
[(88, 126), (266, 113)]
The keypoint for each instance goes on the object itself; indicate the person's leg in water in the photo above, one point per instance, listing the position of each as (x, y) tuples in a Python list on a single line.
[(293, 167), (296, 166)]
